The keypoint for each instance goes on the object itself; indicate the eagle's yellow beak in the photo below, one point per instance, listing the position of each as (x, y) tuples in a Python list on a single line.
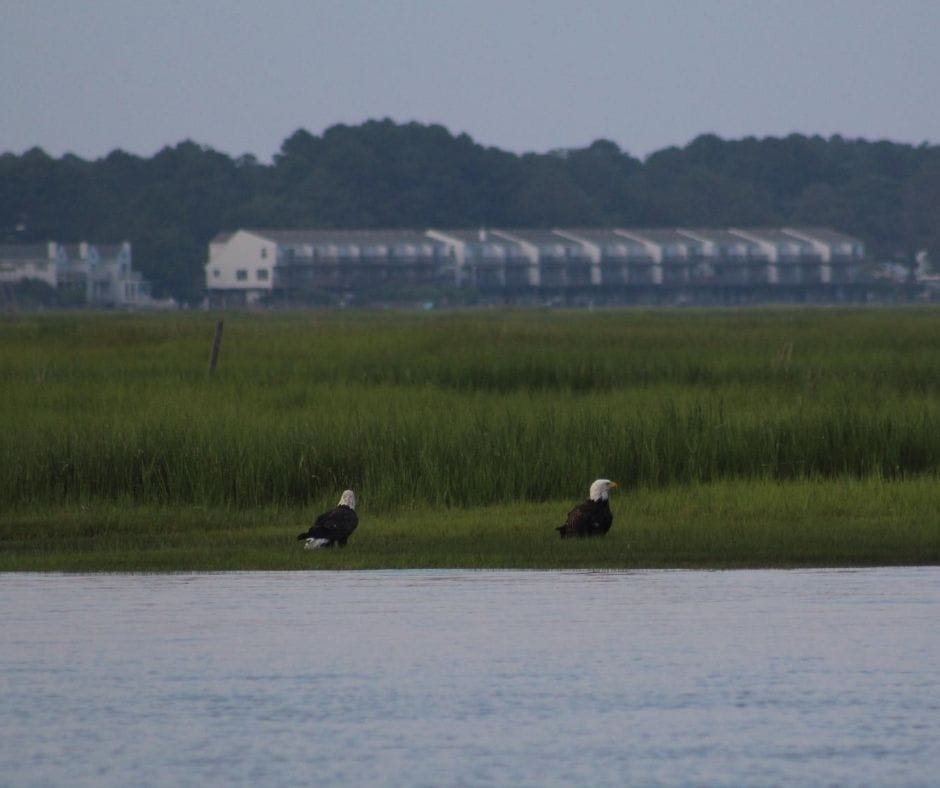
[(613, 484)]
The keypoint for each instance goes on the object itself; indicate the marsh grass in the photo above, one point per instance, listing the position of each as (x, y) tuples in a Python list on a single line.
[(451, 417), (718, 525)]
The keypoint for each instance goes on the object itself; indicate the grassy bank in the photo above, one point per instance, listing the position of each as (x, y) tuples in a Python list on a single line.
[(114, 442), (719, 525)]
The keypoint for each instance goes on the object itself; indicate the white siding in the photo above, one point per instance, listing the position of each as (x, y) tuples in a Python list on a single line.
[(243, 252)]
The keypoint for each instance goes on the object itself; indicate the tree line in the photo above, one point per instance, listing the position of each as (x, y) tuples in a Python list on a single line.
[(381, 174)]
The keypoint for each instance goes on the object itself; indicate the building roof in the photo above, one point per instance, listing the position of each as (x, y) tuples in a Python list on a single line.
[(24, 252), (602, 237), (473, 236), (540, 238), (314, 237), (109, 251), (722, 239), (573, 239), (715, 235), (824, 234), (663, 235), (479, 243), (476, 238), (772, 235)]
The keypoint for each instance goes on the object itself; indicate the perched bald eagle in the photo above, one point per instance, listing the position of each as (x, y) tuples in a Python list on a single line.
[(334, 526), (593, 517)]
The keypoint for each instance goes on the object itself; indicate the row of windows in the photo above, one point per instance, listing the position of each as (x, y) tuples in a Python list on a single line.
[(241, 274), (355, 250)]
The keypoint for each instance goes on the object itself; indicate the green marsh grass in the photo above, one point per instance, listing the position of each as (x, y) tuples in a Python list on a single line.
[(460, 416), (729, 524)]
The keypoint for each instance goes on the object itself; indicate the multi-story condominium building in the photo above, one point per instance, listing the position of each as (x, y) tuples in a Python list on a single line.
[(728, 259), (648, 265), (791, 260), (485, 261), (249, 265), (673, 254), (839, 254), (556, 262), (617, 259), (81, 274)]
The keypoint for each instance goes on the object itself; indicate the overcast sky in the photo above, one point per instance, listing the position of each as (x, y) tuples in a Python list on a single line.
[(89, 76)]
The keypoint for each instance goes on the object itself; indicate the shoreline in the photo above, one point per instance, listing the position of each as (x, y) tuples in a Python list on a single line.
[(762, 524)]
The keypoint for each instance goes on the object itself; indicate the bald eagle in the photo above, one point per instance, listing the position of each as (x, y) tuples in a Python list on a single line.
[(334, 526), (593, 517)]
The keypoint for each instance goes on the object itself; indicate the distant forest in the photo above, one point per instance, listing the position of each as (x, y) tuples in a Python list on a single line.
[(385, 175)]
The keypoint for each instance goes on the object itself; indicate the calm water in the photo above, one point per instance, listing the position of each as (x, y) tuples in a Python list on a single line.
[(471, 678)]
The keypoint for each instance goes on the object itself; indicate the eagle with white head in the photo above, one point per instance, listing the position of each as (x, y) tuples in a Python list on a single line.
[(593, 517), (332, 527)]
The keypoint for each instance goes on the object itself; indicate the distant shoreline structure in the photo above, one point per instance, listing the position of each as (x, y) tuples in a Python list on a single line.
[(562, 266)]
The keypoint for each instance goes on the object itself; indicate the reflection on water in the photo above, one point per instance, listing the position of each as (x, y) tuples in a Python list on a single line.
[(471, 678)]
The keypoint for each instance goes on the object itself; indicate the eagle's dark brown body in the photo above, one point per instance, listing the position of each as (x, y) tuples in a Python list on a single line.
[(591, 518), (334, 526)]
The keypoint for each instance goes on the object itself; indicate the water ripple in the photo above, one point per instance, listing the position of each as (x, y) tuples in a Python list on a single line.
[(471, 678)]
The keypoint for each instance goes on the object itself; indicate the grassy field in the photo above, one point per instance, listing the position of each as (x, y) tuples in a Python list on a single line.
[(718, 525), (741, 438)]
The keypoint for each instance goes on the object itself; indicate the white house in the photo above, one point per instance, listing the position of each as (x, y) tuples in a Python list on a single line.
[(81, 274), (40, 262), (108, 275), (242, 262)]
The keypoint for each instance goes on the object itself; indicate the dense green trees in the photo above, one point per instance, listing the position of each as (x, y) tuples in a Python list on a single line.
[(383, 174)]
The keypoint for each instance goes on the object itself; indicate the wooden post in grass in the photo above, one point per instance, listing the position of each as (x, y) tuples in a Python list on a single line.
[(216, 347)]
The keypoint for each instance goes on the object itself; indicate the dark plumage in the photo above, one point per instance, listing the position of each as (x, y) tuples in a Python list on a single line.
[(593, 517), (334, 526)]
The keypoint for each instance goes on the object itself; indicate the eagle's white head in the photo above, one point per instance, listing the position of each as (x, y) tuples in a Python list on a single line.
[(600, 488), (348, 498)]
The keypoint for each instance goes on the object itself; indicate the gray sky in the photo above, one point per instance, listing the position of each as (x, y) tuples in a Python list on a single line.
[(89, 76)]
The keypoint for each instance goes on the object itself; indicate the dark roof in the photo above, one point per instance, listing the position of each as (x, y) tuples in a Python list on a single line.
[(472, 236), (539, 237), (24, 252), (719, 237), (601, 237), (345, 236), (772, 235), (823, 234), (662, 235), (543, 237)]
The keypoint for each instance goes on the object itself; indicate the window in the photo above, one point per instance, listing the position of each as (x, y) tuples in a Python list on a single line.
[(262, 274), (215, 273), (241, 275), (264, 253)]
